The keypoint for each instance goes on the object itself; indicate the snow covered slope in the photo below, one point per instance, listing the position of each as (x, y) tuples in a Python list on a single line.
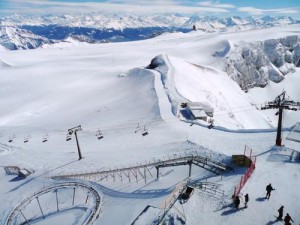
[(14, 38), (109, 87)]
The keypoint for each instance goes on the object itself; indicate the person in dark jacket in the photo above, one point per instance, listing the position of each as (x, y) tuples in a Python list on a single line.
[(288, 219), (269, 188), (237, 202), (280, 211), (246, 200)]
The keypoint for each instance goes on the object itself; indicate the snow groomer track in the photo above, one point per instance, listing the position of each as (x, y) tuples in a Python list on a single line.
[(94, 211)]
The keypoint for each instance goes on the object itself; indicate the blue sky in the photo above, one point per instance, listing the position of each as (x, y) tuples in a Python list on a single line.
[(221, 8)]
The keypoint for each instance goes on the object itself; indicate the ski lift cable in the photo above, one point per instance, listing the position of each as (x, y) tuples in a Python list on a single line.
[(226, 113), (133, 124)]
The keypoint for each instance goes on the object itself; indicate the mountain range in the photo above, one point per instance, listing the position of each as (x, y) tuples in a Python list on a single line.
[(24, 32)]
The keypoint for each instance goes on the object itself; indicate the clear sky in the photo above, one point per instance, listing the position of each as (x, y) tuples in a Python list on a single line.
[(221, 8)]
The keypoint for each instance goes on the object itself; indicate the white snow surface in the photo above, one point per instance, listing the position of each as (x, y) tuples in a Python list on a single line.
[(106, 87)]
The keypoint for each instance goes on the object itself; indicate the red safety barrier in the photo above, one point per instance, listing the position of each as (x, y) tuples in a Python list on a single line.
[(248, 173)]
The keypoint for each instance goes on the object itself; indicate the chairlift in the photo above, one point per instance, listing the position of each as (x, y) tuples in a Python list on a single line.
[(145, 132), (99, 135), (26, 139), (68, 138), (45, 138), (11, 138)]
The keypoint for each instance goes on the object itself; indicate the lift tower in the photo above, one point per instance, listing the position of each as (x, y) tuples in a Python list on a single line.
[(70, 132), (281, 103)]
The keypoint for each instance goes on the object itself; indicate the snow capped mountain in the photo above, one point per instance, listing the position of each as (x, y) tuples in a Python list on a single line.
[(24, 32), (214, 24), (122, 21), (103, 21), (14, 38), (282, 20)]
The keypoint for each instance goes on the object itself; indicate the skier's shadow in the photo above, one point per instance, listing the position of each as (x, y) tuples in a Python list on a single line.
[(272, 222), (230, 211), (261, 199)]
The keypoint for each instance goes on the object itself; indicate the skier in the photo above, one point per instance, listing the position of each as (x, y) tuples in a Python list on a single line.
[(269, 188), (280, 211), (288, 219), (246, 200), (237, 202)]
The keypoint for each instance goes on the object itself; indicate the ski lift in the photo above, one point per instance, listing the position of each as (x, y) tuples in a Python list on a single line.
[(11, 138), (145, 131), (26, 139), (68, 138), (45, 138), (137, 128), (99, 135)]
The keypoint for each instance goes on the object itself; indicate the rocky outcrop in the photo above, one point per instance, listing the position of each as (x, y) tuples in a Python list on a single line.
[(255, 64)]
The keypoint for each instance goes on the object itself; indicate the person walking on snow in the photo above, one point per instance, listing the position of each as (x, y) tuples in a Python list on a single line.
[(269, 188), (246, 200), (237, 202), (280, 211), (288, 219)]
